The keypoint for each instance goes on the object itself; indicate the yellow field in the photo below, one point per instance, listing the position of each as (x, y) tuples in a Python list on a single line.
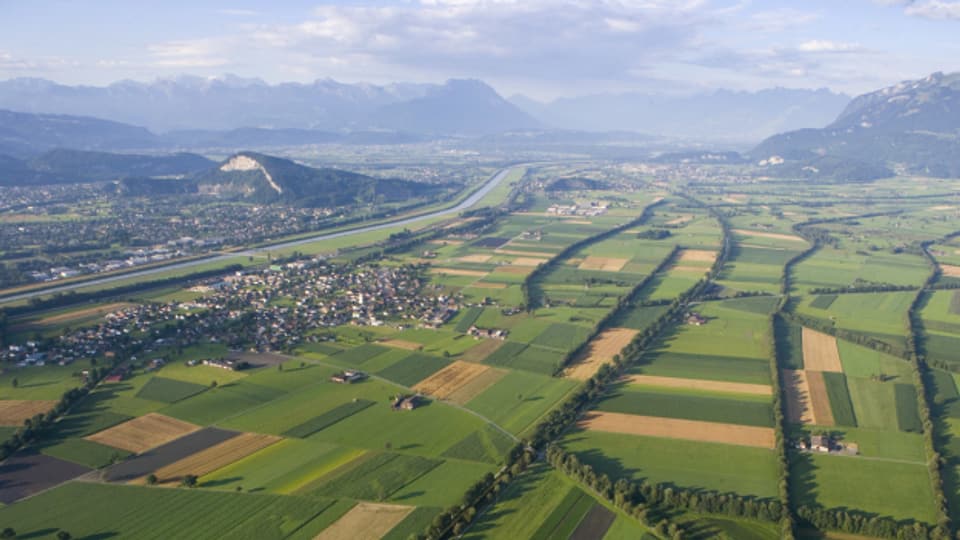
[(458, 272), (213, 458), (401, 344), (475, 386), (603, 264), (449, 379), (14, 411), (774, 236), (143, 433), (599, 351), (699, 384), (480, 352), (819, 400), (69, 316), (673, 428), (475, 258), (820, 352), (950, 270), (696, 255), (366, 521), (529, 261)]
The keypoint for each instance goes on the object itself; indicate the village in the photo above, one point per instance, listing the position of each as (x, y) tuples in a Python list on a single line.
[(267, 310)]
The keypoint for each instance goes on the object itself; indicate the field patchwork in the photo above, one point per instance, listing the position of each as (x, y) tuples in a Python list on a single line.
[(450, 379), (208, 460), (14, 411), (603, 264), (144, 433), (366, 521), (599, 351), (674, 428), (819, 398), (699, 384), (820, 352)]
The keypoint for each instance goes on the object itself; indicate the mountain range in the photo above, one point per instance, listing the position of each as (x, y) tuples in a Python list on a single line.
[(911, 128), (458, 107), (722, 115)]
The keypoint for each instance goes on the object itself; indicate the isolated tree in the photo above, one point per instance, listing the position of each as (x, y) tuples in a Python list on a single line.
[(8, 533), (279, 367), (151, 479), (189, 481), (303, 365), (15, 383), (63, 535), (213, 384)]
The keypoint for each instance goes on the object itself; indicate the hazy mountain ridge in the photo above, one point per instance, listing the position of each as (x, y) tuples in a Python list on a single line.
[(227, 103), (912, 127), (65, 166), (721, 115)]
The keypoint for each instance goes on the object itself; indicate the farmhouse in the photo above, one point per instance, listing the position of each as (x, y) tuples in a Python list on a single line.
[(405, 402), (695, 319), (349, 376), (494, 333)]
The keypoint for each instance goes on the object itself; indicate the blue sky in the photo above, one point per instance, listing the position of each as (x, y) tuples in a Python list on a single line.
[(543, 48)]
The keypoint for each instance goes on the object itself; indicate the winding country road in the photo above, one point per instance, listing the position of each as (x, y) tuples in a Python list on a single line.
[(470, 201)]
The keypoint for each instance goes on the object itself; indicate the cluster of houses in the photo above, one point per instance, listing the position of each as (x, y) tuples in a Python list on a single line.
[(269, 310), (133, 258), (827, 444), (487, 333), (222, 363), (594, 208)]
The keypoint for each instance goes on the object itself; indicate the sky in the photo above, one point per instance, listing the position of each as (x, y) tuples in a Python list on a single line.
[(541, 48)]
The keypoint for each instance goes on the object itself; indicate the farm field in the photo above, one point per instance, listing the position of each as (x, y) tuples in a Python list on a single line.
[(487, 326), (544, 504)]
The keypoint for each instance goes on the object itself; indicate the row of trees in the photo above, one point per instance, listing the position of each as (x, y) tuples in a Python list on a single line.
[(843, 519), (624, 303), (531, 292), (34, 427), (921, 378)]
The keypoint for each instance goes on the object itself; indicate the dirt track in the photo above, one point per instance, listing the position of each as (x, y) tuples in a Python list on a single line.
[(690, 430)]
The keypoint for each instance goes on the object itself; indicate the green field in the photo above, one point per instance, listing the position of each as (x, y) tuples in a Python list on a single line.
[(857, 483), (138, 512), (168, 390), (519, 399), (284, 467), (840, 404), (720, 467), (376, 477), (337, 414), (689, 406)]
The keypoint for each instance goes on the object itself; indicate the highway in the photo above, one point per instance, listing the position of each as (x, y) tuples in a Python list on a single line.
[(470, 201)]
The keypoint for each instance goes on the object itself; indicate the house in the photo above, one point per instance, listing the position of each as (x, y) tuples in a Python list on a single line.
[(820, 443), (405, 402), (348, 377), (118, 374), (695, 319)]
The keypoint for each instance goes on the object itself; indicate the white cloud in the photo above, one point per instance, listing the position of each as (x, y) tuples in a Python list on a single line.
[(934, 9), (928, 9), (827, 46)]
